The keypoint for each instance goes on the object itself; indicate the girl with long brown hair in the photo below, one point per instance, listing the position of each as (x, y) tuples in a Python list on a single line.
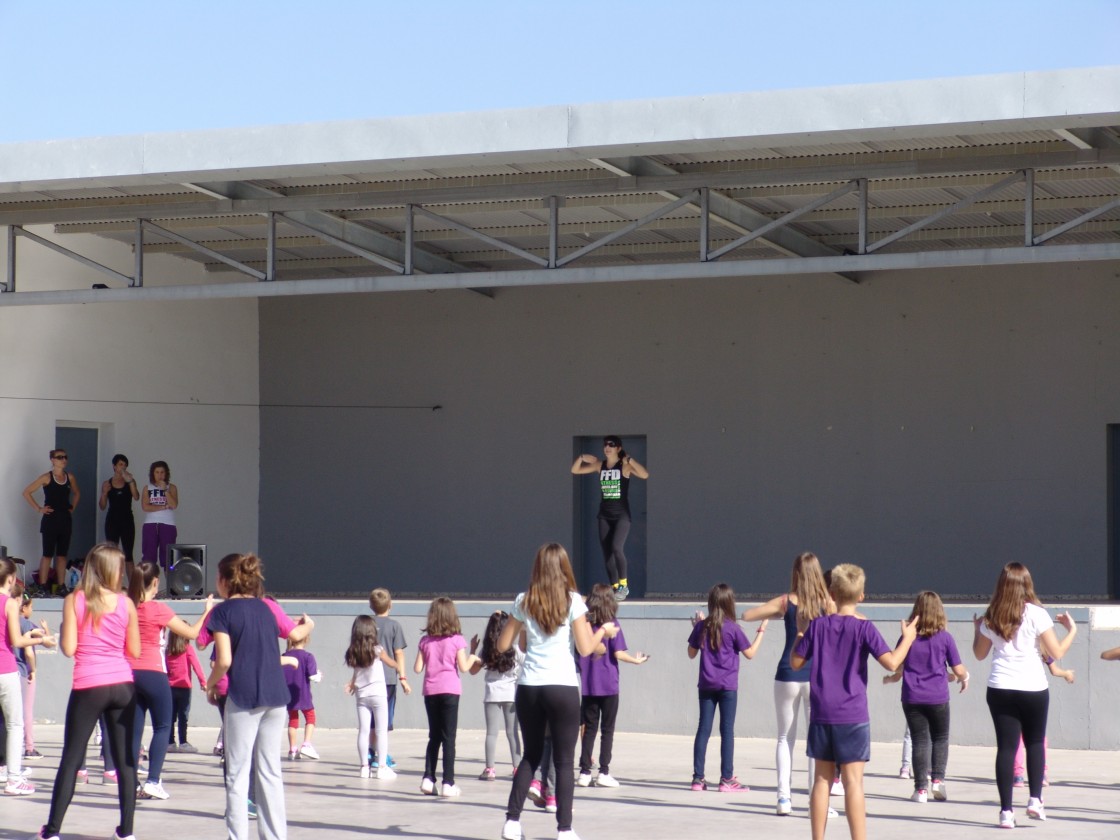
[(806, 599), (553, 615), (1012, 629)]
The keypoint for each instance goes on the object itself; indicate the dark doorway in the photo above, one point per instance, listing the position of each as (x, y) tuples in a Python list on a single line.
[(80, 444), (588, 557)]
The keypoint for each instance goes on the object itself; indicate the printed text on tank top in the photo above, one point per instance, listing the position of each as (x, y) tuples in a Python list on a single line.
[(157, 496), (615, 485)]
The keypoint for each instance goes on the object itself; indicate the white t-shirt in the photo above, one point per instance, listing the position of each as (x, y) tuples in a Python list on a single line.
[(549, 660), (370, 682), (501, 687), (1017, 664)]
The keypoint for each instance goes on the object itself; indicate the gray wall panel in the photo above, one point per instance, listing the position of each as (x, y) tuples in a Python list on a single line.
[(928, 425)]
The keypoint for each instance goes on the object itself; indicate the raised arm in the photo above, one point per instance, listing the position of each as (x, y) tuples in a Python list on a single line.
[(892, 660), (624, 656), (586, 640), (750, 652), (465, 660), (1050, 642), (773, 608), (1110, 655), (586, 464), (636, 469), (191, 631)]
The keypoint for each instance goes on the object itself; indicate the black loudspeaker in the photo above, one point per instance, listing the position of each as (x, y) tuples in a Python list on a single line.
[(186, 575)]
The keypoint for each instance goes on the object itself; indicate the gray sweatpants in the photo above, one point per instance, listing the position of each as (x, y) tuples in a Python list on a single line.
[(376, 708), (255, 735), (497, 716)]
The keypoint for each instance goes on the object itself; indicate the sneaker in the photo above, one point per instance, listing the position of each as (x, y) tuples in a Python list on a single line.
[(699, 784), (364, 772), (18, 786), (1020, 781), (606, 780), (154, 790), (371, 759), (1035, 810), (535, 795), (511, 830), (550, 804), (39, 835), (219, 750), (622, 593), (252, 809), (83, 777), (392, 765), (919, 795), (567, 835), (1006, 819), (308, 751), (187, 748), (837, 788), (32, 755), (732, 786), (293, 755), (449, 790), (906, 772), (833, 813), (937, 788), (118, 837), (109, 777), (584, 780), (172, 748), (785, 807), (428, 786), (488, 775), (385, 773), (1045, 780)]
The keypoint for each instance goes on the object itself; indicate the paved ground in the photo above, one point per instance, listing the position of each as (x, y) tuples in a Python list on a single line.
[(326, 799)]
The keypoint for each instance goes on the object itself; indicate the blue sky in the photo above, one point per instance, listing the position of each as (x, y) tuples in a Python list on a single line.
[(74, 69)]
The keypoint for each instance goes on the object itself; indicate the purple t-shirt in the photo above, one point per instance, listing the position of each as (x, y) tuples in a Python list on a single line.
[(599, 674), (719, 669), (837, 647), (441, 668), (923, 673), (299, 680)]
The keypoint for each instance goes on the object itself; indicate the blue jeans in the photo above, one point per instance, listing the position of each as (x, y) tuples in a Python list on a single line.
[(727, 701)]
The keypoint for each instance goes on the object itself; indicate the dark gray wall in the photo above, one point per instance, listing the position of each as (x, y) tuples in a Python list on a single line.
[(927, 425)]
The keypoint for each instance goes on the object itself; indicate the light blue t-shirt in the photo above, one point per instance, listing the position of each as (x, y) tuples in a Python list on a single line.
[(549, 660)]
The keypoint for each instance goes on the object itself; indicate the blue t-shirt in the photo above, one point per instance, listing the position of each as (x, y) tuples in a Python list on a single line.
[(256, 677)]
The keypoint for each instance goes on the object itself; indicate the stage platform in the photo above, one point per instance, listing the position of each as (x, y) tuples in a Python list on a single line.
[(326, 799)]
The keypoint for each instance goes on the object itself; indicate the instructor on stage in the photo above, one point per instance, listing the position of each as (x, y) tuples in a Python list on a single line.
[(615, 471)]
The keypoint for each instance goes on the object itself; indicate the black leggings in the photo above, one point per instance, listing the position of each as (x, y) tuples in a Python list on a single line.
[(180, 712), (594, 707), (443, 724), (542, 708), (121, 531), (612, 539), (118, 704), (1018, 713)]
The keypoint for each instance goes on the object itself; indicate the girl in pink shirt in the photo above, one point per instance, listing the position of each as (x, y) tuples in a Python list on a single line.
[(149, 671), (98, 628), (181, 662), (441, 657)]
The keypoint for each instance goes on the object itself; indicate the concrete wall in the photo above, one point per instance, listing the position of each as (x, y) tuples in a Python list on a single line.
[(175, 381), (660, 696), (927, 425)]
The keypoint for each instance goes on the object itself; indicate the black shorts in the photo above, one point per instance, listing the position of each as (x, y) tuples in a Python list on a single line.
[(56, 535)]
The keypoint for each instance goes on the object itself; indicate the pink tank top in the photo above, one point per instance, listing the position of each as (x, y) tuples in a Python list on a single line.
[(7, 655), (100, 658)]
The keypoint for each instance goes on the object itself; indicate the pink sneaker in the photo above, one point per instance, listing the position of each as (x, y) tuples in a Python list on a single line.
[(699, 784), (535, 794), (550, 804), (732, 786)]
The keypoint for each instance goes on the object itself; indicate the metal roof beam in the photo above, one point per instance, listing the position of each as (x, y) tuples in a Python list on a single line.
[(269, 201), (570, 276)]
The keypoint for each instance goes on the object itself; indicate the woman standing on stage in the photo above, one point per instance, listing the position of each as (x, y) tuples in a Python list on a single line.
[(615, 471), (117, 494), (159, 501), (60, 497)]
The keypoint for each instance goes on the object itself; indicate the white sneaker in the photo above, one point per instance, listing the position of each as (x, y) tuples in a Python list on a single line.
[(832, 813), (428, 786), (605, 780), (450, 790), (837, 788), (1006, 819), (308, 751), (906, 772), (937, 788), (584, 780), (364, 772), (567, 835), (785, 807), (919, 796), (154, 790), (1035, 810), (385, 773), (511, 830), (18, 786)]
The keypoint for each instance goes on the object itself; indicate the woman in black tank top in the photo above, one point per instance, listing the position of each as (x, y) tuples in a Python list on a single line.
[(60, 497), (615, 471), (118, 494)]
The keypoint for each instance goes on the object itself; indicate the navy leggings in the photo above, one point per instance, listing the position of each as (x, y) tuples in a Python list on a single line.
[(153, 695)]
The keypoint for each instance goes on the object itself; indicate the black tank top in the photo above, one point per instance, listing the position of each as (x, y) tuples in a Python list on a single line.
[(616, 492), (120, 502), (57, 495)]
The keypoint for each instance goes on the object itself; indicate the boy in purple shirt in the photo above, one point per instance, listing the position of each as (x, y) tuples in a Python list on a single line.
[(836, 648)]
